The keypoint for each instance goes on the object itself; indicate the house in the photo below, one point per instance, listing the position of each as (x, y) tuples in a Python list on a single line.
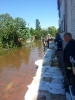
[(66, 11)]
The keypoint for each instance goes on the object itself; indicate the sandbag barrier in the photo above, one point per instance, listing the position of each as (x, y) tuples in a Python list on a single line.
[(48, 81)]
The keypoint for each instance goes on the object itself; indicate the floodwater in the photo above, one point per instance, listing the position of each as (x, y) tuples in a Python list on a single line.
[(17, 70)]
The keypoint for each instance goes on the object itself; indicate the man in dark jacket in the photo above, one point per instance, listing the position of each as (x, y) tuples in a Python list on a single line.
[(58, 42), (69, 51)]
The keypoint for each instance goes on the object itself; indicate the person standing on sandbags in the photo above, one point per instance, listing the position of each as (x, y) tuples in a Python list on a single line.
[(44, 42), (48, 40)]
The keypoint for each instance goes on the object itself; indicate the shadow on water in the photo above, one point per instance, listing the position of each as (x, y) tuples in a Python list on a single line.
[(17, 69)]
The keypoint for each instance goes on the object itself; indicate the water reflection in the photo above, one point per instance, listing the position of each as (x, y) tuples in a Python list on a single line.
[(17, 69)]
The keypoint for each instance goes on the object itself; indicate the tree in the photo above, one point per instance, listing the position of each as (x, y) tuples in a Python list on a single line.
[(58, 30), (32, 31), (5, 20), (19, 23), (44, 32), (52, 30), (11, 30), (38, 25), (37, 29)]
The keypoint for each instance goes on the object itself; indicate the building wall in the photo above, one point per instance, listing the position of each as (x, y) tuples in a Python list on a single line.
[(67, 8), (73, 18), (67, 18), (68, 15), (62, 11), (61, 21)]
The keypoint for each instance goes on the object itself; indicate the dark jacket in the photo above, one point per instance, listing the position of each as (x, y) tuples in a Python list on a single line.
[(59, 43), (69, 51)]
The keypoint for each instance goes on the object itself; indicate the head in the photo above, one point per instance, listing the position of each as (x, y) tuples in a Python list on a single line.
[(48, 35), (57, 35), (67, 37)]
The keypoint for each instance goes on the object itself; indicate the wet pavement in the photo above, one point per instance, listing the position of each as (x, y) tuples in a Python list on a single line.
[(17, 70)]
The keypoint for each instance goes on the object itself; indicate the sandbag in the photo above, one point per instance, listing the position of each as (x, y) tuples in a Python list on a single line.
[(40, 97), (30, 94), (54, 63), (68, 96), (39, 86), (42, 69), (57, 91), (46, 61), (49, 53), (52, 46), (47, 79), (54, 85), (57, 81), (39, 62)]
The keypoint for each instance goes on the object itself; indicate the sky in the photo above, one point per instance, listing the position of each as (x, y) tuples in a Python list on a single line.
[(30, 10)]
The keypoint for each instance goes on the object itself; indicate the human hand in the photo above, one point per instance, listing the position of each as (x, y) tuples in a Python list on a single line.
[(71, 59), (73, 68)]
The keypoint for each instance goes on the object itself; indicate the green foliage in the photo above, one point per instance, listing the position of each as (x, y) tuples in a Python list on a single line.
[(14, 31), (52, 30), (38, 28), (11, 30)]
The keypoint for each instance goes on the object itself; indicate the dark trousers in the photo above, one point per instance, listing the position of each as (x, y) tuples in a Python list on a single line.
[(68, 71), (72, 81)]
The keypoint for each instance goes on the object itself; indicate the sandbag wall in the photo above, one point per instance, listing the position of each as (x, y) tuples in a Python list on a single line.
[(48, 79)]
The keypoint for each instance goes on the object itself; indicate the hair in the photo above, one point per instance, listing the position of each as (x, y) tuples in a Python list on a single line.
[(68, 34), (57, 35)]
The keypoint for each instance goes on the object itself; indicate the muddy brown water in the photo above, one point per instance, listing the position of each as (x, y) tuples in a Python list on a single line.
[(17, 70)]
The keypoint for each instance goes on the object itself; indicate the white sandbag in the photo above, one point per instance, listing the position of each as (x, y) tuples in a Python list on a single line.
[(48, 53), (39, 70), (52, 46), (55, 58), (38, 77), (46, 61), (39, 86), (57, 73), (53, 71), (57, 91), (55, 47), (39, 62), (30, 94), (47, 73), (44, 68), (59, 77), (33, 86), (57, 81), (46, 76), (68, 97), (54, 86), (46, 79), (39, 74), (55, 63), (35, 81)]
